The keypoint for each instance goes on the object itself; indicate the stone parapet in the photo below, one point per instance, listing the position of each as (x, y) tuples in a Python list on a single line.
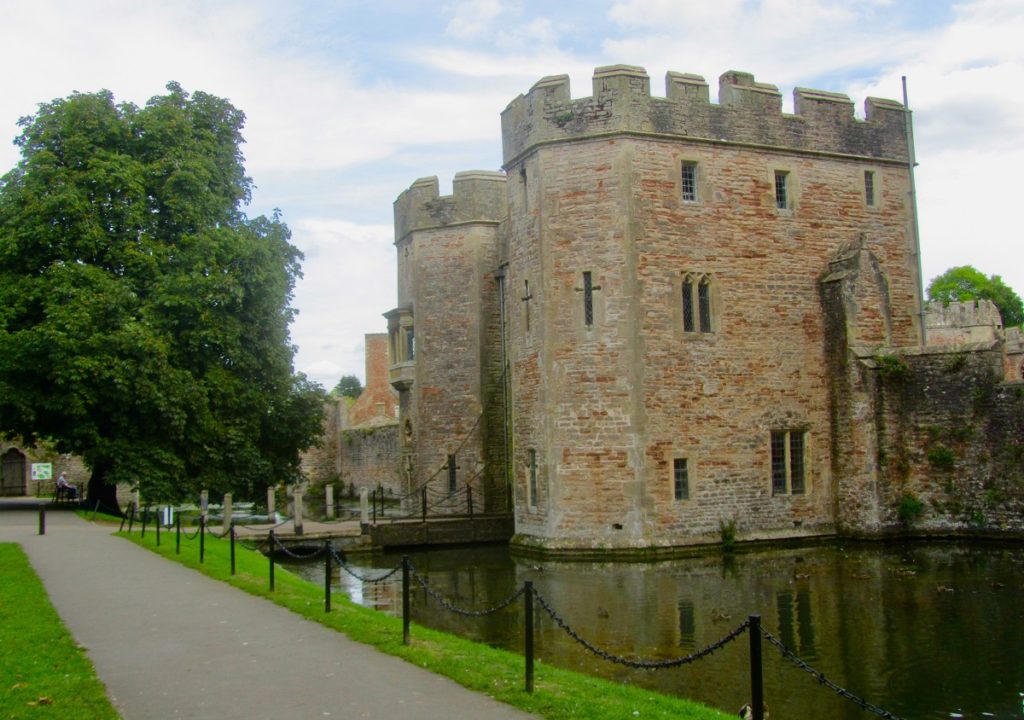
[(478, 196), (748, 113), (959, 323)]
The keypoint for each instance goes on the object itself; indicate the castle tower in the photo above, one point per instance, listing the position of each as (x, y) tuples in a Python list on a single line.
[(444, 336), (666, 332)]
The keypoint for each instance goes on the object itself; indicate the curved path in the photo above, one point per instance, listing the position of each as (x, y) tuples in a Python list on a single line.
[(172, 643)]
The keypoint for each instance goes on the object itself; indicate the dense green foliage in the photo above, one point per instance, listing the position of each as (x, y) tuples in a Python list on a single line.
[(558, 694), (349, 386), (143, 317), (966, 283), (43, 672)]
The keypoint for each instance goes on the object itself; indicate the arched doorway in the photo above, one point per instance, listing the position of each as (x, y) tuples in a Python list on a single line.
[(12, 481)]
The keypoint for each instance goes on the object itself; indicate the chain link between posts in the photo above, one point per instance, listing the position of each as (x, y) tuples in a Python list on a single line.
[(640, 664), (344, 566), (820, 677), (460, 611)]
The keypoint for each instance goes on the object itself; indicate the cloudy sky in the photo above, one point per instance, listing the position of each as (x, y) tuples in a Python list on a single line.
[(349, 101)]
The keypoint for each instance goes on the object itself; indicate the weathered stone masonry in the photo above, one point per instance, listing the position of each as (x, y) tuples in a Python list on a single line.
[(665, 316)]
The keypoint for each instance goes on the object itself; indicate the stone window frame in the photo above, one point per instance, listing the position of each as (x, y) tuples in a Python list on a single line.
[(681, 462), (874, 186), (790, 189), (789, 461), (704, 313), (532, 481), (452, 466), (696, 181)]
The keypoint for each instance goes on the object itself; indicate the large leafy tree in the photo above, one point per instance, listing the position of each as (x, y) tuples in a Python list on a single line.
[(349, 386), (143, 317), (966, 283)]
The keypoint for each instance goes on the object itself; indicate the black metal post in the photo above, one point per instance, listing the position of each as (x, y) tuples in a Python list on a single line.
[(177, 541), (131, 519), (145, 514), (373, 502), (381, 489), (270, 554), (424, 503), (202, 538), (42, 520), (158, 529), (405, 599), (469, 500), (528, 649), (756, 678), (327, 575), (231, 530)]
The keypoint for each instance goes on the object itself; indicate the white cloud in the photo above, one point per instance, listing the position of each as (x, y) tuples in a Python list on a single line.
[(331, 132), (473, 18)]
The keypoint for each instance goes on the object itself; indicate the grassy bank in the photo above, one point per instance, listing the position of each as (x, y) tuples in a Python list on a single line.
[(43, 672), (558, 694)]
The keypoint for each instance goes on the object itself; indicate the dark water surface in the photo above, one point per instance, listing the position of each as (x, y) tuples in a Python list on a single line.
[(923, 631)]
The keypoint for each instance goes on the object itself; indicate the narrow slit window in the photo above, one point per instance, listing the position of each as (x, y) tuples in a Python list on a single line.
[(689, 182), (778, 463), (680, 479), (869, 188), (410, 344), (796, 463), (588, 299), (781, 190), (532, 454), (704, 304), (452, 468), (688, 305)]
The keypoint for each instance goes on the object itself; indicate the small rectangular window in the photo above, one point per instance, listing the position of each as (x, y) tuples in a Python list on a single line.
[(781, 190), (451, 473), (869, 188), (789, 475), (689, 180), (680, 479), (588, 299), (532, 455)]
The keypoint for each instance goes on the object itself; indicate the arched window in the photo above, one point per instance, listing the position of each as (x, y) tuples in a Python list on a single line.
[(698, 303)]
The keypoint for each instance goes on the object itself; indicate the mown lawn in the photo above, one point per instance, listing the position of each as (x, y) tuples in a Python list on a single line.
[(558, 694), (43, 673)]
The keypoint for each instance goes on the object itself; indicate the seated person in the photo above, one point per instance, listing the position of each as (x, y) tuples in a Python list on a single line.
[(65, 489)]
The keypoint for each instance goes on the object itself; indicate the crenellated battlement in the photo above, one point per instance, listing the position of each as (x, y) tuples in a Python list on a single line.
[(959, 323), (747, 112), (477, 196)]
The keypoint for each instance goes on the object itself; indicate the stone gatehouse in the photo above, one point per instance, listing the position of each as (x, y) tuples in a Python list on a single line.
[(662, 321)]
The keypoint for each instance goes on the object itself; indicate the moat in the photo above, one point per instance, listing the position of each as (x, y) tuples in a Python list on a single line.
[(923, 631)]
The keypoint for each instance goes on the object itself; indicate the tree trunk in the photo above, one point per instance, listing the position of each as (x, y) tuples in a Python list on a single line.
[(101, 495)]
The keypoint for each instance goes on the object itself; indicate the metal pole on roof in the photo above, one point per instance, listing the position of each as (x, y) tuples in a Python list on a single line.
[(911, 164)]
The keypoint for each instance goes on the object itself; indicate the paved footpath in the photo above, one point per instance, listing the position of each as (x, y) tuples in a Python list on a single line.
[(170, 643)]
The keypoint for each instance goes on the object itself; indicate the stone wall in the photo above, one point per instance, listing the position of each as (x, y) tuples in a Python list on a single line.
[(321, 463), (748, 113), (378, 403), (608, 406), (11, 452), (369, 458), (962, 323), (951, 438), (448, 253)]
